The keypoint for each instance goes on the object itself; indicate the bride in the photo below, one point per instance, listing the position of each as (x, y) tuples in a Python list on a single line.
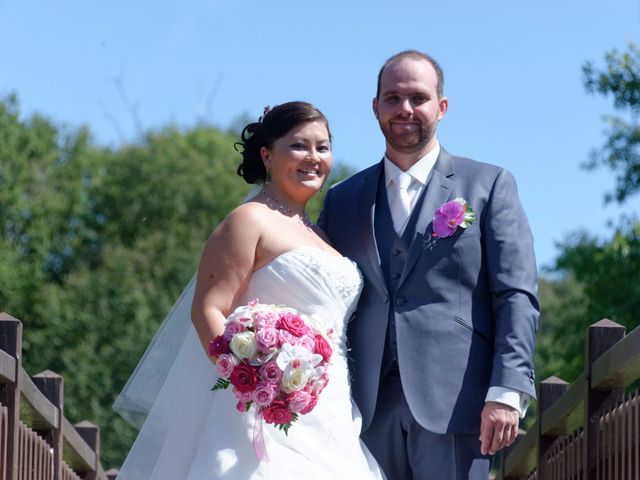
[(268, 249)]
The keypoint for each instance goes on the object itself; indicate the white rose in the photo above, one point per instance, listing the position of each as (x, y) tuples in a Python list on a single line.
[(294, 379), (244, 345)]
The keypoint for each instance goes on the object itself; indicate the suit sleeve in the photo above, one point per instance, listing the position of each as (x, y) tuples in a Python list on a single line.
[(323, 219), (512, 272)]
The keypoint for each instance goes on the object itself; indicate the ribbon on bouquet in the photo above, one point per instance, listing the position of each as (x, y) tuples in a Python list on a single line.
[(258, 438)]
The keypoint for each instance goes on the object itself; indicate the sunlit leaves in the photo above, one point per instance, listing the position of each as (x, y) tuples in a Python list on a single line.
[(620, 79)]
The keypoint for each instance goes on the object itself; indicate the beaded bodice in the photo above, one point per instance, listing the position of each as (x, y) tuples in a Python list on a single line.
[(312, 281)]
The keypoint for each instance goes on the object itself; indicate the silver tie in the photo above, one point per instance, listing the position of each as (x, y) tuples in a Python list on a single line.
[(401, 206)]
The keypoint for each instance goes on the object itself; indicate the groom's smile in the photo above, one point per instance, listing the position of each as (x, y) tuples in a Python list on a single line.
[(404, 127)]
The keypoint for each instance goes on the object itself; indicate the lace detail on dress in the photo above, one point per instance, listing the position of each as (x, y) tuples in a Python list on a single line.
[(344, 274)]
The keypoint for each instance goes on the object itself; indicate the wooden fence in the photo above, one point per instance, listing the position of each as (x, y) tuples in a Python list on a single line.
[(37, 442), (589, 430)]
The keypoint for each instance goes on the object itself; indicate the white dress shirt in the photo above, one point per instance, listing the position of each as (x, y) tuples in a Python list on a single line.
[(419, 173)]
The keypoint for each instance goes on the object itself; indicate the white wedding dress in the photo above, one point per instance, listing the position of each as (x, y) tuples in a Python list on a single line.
[(194, 433)]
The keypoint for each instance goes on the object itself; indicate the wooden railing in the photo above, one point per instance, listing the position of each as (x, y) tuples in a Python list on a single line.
[(37, 442), (587, 430)]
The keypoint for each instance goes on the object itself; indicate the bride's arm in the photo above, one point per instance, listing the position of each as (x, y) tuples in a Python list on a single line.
[(225, 267)]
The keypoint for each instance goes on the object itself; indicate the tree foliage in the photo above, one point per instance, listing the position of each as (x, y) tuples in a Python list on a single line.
[(97, 243), (563, 318), (619, 78)]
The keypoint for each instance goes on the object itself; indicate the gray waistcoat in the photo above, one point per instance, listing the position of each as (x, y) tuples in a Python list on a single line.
[(393, 251)]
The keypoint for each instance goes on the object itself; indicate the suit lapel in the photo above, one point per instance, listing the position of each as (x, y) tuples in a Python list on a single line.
[(366, 214), (439, 189)]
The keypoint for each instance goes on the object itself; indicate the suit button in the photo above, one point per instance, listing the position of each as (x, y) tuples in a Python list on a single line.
[(395, 252), (395, 276), (400, 301)]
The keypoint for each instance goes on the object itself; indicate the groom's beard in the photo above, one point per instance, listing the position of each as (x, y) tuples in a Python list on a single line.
[(408, 142)]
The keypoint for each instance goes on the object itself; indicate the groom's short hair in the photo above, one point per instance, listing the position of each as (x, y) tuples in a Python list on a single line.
[(414, 55)]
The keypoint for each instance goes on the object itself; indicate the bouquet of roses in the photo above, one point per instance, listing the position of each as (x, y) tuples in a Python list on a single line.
[(274, 359)]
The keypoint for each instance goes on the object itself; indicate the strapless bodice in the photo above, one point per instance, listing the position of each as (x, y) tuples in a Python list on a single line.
[(323, 286)]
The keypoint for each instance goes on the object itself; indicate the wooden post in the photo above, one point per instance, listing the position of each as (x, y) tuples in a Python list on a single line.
[(11, 342), (90, 433), (601, 336), (52, 386), (551, 389)]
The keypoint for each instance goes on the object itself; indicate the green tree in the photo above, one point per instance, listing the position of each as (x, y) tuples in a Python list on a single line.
[(563, 308), (43, 209), (619, 78)]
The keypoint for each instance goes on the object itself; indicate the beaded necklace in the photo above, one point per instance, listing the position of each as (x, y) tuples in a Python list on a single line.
[(274, 204)]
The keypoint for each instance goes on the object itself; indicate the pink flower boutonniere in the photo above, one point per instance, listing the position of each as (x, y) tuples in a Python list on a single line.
[(450, 216)]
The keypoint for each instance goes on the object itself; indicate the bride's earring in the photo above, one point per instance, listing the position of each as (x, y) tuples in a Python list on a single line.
[(264, 154)]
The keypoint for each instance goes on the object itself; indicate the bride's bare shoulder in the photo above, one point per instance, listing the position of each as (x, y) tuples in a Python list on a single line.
[(246, 223), (250, 214), (238, 235)]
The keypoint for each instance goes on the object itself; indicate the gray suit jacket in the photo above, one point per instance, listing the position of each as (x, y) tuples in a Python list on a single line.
[(466, 310)]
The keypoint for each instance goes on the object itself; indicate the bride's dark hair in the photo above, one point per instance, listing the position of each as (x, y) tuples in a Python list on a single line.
[(274, 124)]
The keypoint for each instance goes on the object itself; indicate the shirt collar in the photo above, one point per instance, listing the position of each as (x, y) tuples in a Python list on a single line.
[(419, 171)]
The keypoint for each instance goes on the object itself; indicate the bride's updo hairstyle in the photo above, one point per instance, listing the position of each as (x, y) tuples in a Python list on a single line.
[(275, 123)]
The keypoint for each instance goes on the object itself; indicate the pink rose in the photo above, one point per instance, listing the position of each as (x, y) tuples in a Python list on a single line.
[(266, 320), (231, 328), (218, 346), (312, 403), (286, 337), (241, 407), (270, 372), (320, 384), (264, 393), (267, 338), (299, 400), (323, 348), (308, 342), (244, 397), (277, 413), (244, 377), (225, 363), (293, 323)]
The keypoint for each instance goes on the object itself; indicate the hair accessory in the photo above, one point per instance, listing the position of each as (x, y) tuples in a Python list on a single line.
[(264, 113)]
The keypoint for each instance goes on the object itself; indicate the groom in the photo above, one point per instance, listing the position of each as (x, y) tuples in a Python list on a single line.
[(441, 346)]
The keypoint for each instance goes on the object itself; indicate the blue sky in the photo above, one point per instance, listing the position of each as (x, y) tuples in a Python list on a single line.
[(512, 68)]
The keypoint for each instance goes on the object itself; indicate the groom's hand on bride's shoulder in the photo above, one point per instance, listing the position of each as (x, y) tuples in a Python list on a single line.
[(498, 427)]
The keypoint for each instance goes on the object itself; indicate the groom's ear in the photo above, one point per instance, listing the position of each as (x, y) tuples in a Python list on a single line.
[(375, 106), (443, 106)]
